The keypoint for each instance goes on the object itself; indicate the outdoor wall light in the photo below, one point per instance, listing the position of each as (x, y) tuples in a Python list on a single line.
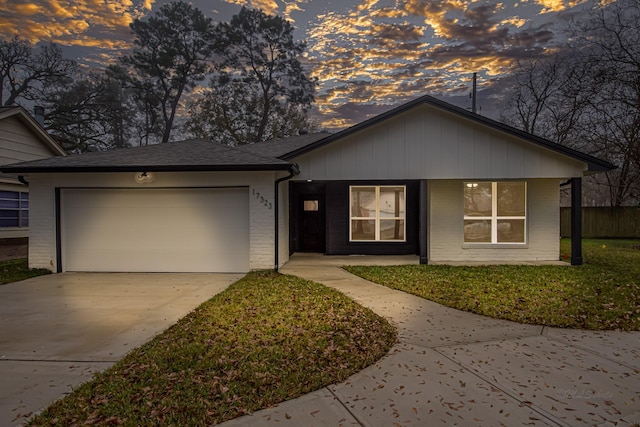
[(472, 184), (143, 177)]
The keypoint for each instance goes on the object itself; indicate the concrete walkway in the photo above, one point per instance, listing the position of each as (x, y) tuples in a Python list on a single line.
[(456, 368)]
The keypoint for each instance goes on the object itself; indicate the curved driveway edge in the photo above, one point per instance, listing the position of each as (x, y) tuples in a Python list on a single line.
[(456, 368), (56, 331)]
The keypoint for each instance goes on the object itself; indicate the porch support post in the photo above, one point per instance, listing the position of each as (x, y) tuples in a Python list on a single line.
[(576, 221), (423, 240)]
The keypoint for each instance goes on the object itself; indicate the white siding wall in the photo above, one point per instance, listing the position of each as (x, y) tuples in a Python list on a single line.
[(446, 225), (18, 143), (427, 143), (42, 244)]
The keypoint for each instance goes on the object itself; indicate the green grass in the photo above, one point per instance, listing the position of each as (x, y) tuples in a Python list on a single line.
[(602, 294), (266, 339), (18, 269)]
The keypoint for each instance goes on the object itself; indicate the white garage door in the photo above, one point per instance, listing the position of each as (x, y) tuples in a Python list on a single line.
[(155, 230)]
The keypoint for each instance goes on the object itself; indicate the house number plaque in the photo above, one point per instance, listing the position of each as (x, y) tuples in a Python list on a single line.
[(261, 198)]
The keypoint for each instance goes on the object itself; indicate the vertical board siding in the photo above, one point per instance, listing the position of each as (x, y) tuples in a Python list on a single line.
[(427, 143), (446, 213)]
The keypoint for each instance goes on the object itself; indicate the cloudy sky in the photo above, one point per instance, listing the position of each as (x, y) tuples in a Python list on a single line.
[(368, 55)]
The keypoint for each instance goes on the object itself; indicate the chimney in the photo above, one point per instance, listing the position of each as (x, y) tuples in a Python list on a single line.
[(38, 114)]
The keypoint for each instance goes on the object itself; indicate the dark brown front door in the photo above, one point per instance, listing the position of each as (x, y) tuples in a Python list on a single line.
[(312, 223)]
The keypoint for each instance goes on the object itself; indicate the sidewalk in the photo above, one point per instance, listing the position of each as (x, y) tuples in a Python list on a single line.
[(456, 368)]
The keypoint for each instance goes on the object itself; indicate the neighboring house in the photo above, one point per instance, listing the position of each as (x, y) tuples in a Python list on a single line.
[(22, 138), (425, 178)]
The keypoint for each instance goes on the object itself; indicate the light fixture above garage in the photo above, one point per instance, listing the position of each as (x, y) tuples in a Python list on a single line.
[(144, 177)]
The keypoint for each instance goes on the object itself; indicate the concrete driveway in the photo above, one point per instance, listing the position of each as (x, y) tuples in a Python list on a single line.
[(56, 331)]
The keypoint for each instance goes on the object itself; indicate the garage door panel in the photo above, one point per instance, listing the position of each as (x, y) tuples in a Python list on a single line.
[(155, 230)]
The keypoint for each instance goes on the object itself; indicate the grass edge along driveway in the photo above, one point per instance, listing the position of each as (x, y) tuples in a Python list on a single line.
[(266, 339), (15, 270), (602, 294)]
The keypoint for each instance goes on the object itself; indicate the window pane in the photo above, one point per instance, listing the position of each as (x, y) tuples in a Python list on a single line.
[(392, 229), (477, 199), (10, 195), (511, 199), (362, 229), (8, 218), (477, 231), (392, 204), (363, 202), (511, 231), (311, 205), (9, 204)]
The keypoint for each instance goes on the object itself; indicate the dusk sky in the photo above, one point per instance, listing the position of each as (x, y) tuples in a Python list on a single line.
[(368, 55)]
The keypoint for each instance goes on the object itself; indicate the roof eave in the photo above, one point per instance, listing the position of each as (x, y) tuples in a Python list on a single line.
[(146, 168)]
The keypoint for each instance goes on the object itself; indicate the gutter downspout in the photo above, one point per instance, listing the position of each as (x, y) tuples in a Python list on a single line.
[(295, 170), (23, 180)]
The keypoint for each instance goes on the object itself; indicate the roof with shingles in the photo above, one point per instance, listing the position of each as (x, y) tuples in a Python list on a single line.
[(189, 155), (283, 146)]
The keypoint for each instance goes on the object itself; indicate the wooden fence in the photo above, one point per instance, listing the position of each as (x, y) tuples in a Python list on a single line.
[(604, 222)]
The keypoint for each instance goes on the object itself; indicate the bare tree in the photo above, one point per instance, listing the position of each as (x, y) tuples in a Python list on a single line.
[(87, 112), (610, 41), (587, 95), (24, 70)]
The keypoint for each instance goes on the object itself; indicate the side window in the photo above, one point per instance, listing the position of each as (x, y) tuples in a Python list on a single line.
[(495, 212), (14, 209)]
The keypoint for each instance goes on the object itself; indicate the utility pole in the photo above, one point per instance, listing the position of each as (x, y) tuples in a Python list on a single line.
[(474, 95)]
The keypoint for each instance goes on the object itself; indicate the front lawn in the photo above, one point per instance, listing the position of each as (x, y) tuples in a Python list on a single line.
[(266, 339), (604, 293), (18, 269)]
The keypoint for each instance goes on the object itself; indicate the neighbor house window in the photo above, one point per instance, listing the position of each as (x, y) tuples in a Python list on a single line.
[(14, 209), (495, 212), (377, 213)]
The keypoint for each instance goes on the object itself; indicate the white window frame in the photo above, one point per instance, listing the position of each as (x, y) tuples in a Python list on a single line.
[(377, 217), (494, 216)]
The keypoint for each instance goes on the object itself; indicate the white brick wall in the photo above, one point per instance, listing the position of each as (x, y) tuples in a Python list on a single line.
[(262, 231), (42, 244), (42, 225), (446, 225)]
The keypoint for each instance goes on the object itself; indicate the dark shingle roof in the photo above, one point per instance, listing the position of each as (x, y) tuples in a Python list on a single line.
[(283, 146), (189, 155)]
